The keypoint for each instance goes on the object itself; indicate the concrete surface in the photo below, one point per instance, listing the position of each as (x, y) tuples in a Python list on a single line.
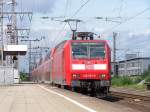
[(41, 98)]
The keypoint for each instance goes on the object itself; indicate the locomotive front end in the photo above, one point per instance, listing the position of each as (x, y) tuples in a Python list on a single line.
[(91, 65)]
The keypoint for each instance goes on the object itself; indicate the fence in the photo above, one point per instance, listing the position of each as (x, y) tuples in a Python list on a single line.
[(8, 75)]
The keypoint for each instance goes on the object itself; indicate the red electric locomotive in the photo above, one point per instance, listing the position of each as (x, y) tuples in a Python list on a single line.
[(82, 64)]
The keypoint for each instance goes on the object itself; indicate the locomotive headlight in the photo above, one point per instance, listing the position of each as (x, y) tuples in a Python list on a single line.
[(103, 76), (76, 76)]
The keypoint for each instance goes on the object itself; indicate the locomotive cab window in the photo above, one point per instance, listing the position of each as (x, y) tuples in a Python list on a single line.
[(79, 51), (88, 50)]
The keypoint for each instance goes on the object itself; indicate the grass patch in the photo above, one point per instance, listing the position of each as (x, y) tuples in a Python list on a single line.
[(131, 82), (135, 86), (121, 81), (23, 77), (146, 75), (128, 82), (147, 79)]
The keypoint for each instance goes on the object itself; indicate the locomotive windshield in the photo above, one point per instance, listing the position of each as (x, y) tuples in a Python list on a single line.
[(88, 50)]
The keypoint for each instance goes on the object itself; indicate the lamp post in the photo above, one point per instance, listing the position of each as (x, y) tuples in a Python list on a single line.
[(1, 20)]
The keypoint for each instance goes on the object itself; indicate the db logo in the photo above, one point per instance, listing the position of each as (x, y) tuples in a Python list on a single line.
[(89, 67)]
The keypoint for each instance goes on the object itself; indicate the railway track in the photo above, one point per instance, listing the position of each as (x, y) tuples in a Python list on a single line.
[(137, 102), (123, 95), (130, 96)]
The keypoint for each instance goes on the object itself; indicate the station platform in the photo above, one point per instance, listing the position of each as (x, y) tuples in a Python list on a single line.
[(43, 98)]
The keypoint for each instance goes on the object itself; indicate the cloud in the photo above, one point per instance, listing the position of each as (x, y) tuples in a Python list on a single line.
[(137, 42), (36, 6), (145, 32)]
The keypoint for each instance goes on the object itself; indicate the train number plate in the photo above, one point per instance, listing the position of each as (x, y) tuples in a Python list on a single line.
[(89, 67)]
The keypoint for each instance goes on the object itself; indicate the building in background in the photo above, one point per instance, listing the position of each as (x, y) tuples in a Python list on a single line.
[(131, 56), (132, 66)]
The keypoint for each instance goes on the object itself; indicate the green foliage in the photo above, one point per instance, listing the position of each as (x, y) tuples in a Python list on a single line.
[(147, 78), (23, 77), (132, 82), (137, 80), (146, 75), (149, 68), (121, 81)]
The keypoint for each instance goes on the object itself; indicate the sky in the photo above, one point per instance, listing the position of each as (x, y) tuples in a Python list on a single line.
[(133, 34)]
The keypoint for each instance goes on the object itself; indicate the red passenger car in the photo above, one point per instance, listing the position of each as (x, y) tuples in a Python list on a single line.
[(42, 72)]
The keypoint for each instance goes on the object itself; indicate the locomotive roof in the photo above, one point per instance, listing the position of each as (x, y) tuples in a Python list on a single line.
[(86, 40), (69, 41)]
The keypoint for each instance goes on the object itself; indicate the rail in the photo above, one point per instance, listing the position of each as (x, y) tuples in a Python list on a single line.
[(148, 85), (130, 96)]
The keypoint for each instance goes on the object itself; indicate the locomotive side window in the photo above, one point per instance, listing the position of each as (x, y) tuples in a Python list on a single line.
[(88, 50)]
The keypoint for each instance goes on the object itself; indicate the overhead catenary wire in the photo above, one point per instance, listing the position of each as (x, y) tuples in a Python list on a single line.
[(121, 7), (131, 18), (66, 8), (58, 36), (128, 19), (59, 33), (78, 10)]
